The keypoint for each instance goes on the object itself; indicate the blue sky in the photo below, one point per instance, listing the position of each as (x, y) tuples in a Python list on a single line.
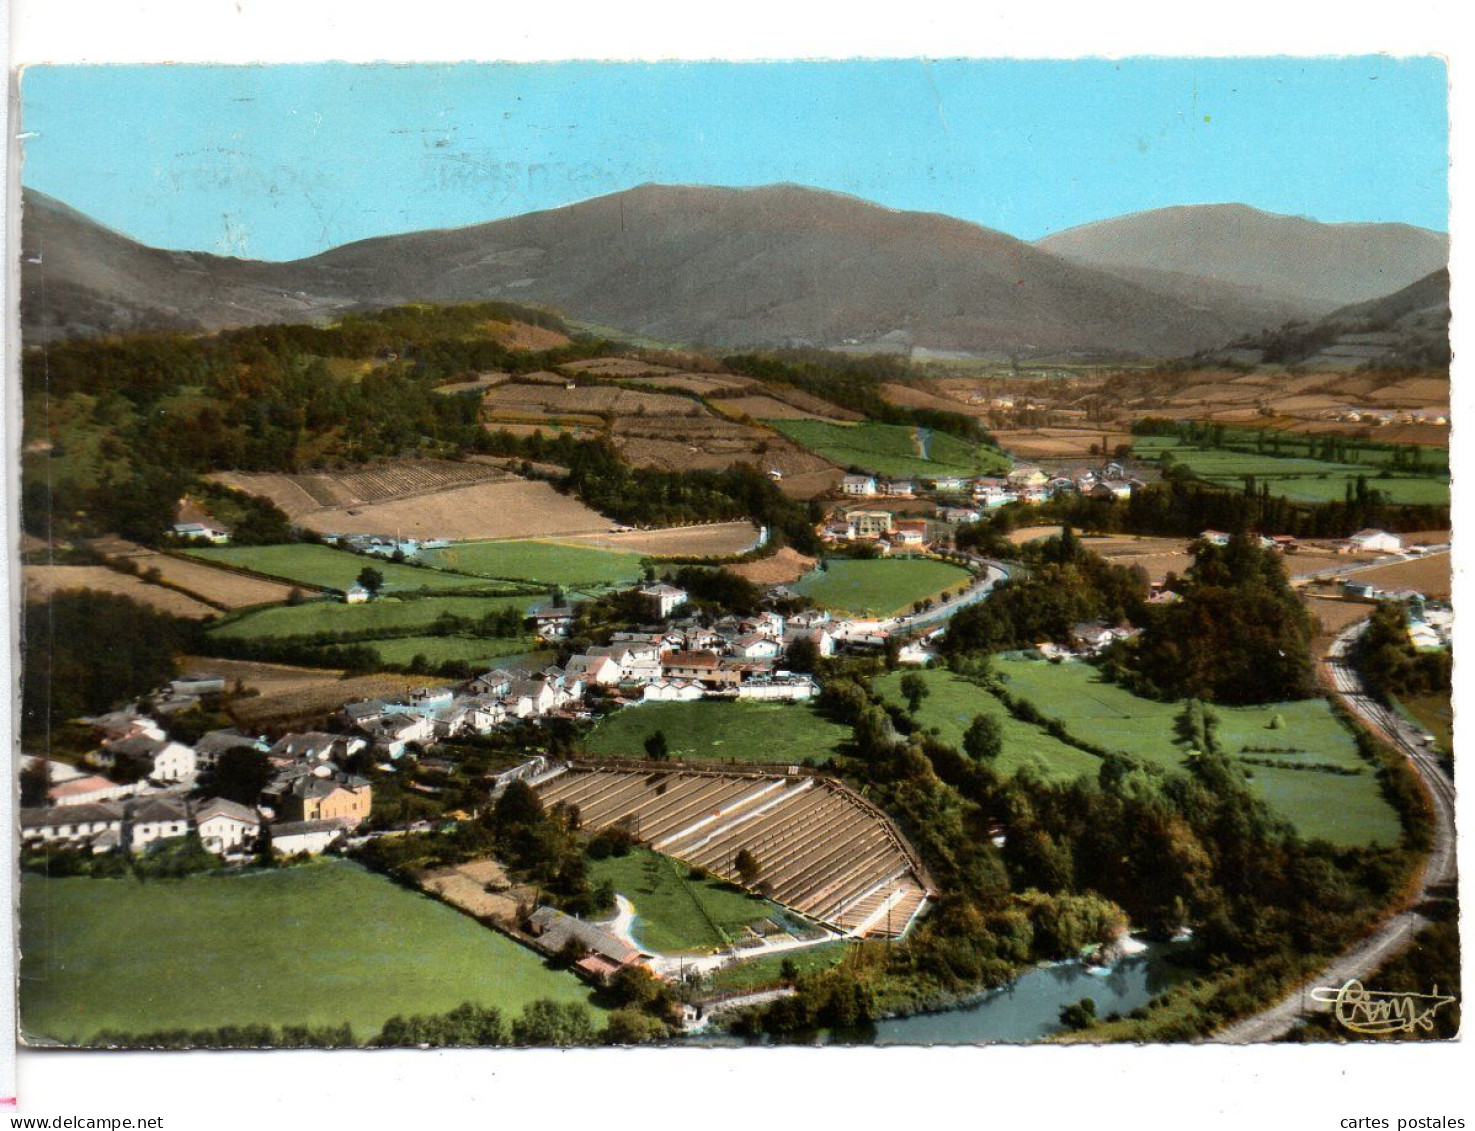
[(283, 161)]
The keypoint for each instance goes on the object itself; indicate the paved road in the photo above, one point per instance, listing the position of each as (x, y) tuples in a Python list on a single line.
[(1395, 933), (1376, 563)]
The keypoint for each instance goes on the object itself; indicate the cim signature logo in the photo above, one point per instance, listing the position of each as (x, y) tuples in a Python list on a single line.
[(1379, 1011)]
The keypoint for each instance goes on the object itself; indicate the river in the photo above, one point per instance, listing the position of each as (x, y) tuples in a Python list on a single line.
[(1028, 1009)]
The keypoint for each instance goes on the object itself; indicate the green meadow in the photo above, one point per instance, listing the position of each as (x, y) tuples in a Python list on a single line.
[(779, 733), (321, 944), (549, 563), (309, 564), (879, 587), (385, 614)]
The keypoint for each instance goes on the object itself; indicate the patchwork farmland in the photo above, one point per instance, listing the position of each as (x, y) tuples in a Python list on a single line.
[(820, 849), (225, 588), (41, 581), (471, 499)]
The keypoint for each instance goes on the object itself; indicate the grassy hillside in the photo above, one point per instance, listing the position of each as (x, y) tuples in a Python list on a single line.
[(892, 449)]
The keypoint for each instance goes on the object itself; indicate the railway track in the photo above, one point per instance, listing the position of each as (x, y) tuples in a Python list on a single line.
[(1440, 866)]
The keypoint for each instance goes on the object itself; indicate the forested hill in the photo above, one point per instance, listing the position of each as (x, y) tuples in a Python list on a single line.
[(778, 265)]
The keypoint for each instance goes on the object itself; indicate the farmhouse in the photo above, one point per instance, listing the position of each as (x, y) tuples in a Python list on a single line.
[(663, 599), (554, 932), (210, 532), (161, 759), (554, 623), (1375, 542), (226, 827), (858, 485), (153, 819)]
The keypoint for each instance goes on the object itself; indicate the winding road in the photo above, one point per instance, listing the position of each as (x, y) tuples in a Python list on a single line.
[(1396, 932)]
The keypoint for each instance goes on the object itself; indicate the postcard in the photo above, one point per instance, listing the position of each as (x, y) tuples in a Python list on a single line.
[(735, 554)]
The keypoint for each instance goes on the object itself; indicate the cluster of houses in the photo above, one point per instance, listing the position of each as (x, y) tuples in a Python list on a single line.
[(732, 658), (961, 500), (1430, 623), (207, 531), (308, 805), (1087, 639), (384, 546), (1024, 483), (1380, 417)]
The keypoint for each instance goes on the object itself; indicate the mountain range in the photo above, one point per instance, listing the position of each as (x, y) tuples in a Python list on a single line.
[(776, 265)]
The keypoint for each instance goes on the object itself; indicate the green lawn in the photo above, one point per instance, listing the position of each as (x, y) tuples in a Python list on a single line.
[(760, 973), (731, 732), (1344, 810), (951, 705), (675, 914), (892, 449), (551, 563), (333, 569), (384, 614), (879, 587), (314, 945)]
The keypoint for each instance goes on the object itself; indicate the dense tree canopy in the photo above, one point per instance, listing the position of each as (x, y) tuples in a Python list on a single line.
[(87, 652)]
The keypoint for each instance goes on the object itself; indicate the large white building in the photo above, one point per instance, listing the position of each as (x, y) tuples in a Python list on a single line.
[(1375, 542)]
